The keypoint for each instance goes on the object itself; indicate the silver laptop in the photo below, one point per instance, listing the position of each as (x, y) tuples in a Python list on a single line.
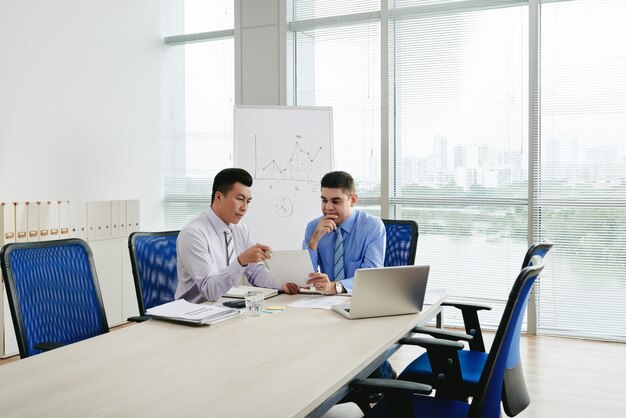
[(386, 291)]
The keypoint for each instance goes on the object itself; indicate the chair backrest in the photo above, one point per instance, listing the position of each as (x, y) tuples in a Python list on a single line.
[(486, 403), (515, 394), (537, 248), (53, 292), (401, 242), (153, 258)]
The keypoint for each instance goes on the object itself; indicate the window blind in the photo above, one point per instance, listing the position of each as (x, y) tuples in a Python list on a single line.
[(580, 197), (198, 100), (333, 51), (458, 132)]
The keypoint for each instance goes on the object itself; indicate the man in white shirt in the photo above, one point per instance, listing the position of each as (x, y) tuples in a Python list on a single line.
[(215, 248)]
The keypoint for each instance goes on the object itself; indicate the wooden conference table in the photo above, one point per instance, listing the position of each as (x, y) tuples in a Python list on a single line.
[(291, 364)]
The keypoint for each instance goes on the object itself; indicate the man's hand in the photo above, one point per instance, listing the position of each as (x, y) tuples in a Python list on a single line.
[(321, 283), (255, 254), (325, 226), (290, 288)]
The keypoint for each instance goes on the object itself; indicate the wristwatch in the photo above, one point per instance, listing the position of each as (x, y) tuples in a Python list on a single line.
[(338, 287)]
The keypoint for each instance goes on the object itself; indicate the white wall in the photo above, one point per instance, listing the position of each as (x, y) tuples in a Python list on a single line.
[(80, 102)]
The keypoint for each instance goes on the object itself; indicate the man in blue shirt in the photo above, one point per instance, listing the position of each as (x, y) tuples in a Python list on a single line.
[(362, 235), (342, 240)]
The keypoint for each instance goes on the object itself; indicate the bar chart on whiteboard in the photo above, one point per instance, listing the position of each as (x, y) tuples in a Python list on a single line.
[(287, 150)]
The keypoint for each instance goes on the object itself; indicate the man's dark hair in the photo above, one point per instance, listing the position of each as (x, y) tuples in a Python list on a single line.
[(225, 180), (339, 180)]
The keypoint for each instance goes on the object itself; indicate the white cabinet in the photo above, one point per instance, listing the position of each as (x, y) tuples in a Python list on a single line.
[(107, 235)]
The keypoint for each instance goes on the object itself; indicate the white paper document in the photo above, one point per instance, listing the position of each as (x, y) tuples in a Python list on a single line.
[(194, 313), (319, 302), (290, 266), (434, 295)]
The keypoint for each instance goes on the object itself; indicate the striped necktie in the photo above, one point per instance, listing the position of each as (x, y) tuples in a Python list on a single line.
[(338, 269), (230, 247)]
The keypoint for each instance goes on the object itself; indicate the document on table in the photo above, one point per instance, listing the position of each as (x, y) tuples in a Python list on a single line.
[(434, 295), (192, 313), (319, 302)]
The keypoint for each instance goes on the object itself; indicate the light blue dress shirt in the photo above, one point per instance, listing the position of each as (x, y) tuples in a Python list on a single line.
[(363, 246), (203, 272)]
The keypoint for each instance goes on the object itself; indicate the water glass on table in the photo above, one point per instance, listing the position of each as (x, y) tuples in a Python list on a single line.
[(254, 303)]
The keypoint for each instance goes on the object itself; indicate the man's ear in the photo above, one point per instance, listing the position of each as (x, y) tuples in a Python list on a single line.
[(353, 199)]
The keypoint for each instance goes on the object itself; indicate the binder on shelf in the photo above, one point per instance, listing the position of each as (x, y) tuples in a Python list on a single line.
[(132, 216), (7, 223), (121, 216), (115, 216), (53, 218), (32, 221), (43, 214), (65, 229), (92, 221), (103, 219), (78, 214), (21, 221)]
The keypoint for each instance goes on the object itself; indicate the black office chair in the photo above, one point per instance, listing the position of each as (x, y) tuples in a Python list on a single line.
[(401, 243), (472, 361), (153, 259), (405, 399), (53, 294)]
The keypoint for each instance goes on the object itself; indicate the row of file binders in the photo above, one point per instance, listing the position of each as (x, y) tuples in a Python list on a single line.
[(51, 220)]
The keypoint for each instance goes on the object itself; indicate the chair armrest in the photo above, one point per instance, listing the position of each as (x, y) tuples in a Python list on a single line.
[(463, 305), (398, 393), (48, 345), (433, 343), (471, 322), (391, 386), (443, 334), (445, 365), (141, 318)]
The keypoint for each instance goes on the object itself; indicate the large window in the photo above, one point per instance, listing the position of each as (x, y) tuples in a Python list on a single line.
[(456, 128), (581, 178), (198, 102), (338, 65)]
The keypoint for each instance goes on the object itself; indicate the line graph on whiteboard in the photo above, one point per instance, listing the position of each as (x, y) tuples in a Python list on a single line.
[(293, 159)]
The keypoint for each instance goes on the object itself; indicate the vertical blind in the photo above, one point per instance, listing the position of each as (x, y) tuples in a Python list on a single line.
[(580, 197), (198, 91)]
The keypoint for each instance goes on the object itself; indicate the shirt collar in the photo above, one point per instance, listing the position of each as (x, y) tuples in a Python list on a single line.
[(219, 225), (349, 223)]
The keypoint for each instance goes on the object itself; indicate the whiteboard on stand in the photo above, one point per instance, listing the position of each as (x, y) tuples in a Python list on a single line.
[(287, 150)]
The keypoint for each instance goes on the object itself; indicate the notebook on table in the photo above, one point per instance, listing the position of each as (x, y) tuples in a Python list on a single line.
[(386, 291), (239, 292)]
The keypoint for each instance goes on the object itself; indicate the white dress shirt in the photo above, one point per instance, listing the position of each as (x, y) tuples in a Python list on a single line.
[(203, 271)]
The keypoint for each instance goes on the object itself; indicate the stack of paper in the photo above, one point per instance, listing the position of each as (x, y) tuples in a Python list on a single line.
[(192, 313)]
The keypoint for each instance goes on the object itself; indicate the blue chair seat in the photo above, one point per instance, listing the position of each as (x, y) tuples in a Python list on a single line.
[(472, 364), (424, 407)]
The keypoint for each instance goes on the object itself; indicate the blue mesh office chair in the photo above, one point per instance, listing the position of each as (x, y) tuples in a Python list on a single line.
[(53, 294), (401, 243), (153, 259), (515, 395), (404, 399)]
